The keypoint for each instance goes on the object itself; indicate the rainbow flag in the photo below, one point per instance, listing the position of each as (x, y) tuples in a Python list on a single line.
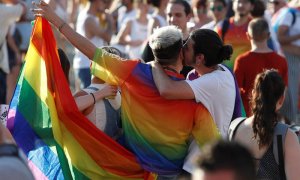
[(59, 141)]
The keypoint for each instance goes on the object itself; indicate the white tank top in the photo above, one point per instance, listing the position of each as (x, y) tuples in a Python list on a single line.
[(80, 60), (138, 32), (162, 21)]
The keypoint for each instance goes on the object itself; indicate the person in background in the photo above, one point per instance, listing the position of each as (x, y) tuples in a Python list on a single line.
[(88, 25), (200, 11), (235, 32), (286, 23), (134, 33), (259, 11), (257, 131), (10, 12), (225, 160), (218, 9), (253, 62), (15, 61), (101, 103), (158, 18), (65, 63), (179, 13)]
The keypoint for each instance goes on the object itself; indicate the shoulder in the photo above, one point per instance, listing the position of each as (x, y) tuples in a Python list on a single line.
[(291, 138), (245, 56)]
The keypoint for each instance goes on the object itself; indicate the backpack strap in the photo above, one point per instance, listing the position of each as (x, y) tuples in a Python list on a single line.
[(278, 146), (234, 126), (294, 16), (280, 129), (225, 27)]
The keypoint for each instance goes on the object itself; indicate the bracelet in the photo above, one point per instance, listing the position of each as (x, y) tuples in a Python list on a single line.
[(93, 97), (61, 26)]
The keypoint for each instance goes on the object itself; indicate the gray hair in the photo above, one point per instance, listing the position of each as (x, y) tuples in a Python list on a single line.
[(164, 37)]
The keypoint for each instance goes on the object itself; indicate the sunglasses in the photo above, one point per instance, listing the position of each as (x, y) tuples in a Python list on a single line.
[(276, 3), (216, 8)]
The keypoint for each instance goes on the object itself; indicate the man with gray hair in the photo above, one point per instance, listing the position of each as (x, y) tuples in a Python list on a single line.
[(156, 130)]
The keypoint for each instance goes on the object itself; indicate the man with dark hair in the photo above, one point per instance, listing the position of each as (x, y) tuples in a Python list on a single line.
[(253, 62), (179, 13), (226, 161), (214, 85)]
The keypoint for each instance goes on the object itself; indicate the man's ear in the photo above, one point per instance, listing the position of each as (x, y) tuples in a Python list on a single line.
[(248, 36), (200, 59), (189, 16)]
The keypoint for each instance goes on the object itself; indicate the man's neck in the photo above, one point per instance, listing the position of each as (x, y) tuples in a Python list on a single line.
[(174, 68), (205, 70), (92, 9), (261, 47), (185, 33)]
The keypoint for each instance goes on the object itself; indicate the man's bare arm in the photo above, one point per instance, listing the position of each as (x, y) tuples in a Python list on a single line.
[(168, 88)]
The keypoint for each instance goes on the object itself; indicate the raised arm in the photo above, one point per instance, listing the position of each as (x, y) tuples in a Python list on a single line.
[(168, 88), (42, 9)]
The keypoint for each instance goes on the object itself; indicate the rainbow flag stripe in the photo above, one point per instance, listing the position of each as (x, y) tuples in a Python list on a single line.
[(59, 141)]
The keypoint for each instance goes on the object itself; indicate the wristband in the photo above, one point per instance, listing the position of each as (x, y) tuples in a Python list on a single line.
[(61, 26), (93, 97)]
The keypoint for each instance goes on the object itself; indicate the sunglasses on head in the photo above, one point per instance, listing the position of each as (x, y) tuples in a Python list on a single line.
[(216, 8)]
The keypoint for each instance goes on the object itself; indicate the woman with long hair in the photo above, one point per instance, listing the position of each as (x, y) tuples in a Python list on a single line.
[(257, 131)]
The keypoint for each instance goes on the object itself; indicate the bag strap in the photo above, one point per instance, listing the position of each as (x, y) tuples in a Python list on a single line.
[(280, 157), (278, 146), (280, 129), (294, 16), (234, 126)]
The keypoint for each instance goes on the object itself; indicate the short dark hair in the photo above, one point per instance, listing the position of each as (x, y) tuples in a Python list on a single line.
[(155, 3), (185, 4), (259, 8), (209, 43), (258, 29), (225, 155), (64, 62)]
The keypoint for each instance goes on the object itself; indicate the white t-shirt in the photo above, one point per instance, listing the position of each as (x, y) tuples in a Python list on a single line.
[(216, 91), (293, 29), (212, 25)]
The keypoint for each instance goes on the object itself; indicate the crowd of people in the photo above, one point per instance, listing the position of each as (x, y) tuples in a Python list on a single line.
[(195, 66)]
